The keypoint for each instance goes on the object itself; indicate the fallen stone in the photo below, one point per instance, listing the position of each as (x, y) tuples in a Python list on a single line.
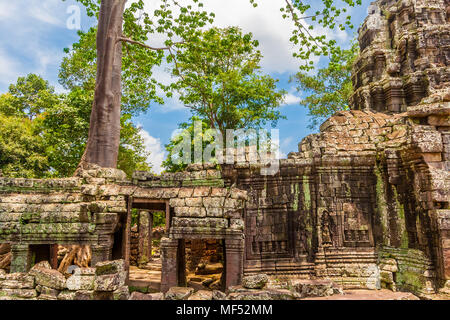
[(208, 269), (83, 295), (122, 293), (18, 293), (110, 275), (108, 282), (49, 278), (47, 291), (179, 293), (234, 289), (218, 295), (42, 264), (314, 288), (283, 294), (47, 297), (257, 281), (82, 279), (66, 295), (201, 295), (249, 295), (101, 295), (136, 295), (17, 281), (110, 267)]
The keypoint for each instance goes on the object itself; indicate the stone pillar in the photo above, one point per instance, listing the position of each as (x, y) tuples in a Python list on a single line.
[(20, 258), (100, 253), (169, 272), (234, 260), (145, 237), (54, 256)]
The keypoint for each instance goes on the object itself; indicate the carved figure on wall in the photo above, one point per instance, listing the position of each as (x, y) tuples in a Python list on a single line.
[(327, 229)]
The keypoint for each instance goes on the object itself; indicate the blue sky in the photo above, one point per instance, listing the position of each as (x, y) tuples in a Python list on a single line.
[(34, 34)]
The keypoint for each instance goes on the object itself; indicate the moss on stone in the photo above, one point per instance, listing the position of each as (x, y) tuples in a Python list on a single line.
[(306, 193), (381, 207)]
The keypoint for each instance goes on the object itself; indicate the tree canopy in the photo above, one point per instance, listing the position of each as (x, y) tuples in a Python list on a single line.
[(43, 134), (329, 89), (122, 39), (220, 81)]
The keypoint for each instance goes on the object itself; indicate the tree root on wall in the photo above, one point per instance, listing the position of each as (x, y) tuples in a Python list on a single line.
[(75, 255), (5, 256)]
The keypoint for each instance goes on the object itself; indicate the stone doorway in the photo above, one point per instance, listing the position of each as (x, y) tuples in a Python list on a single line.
[(176, 272), (150, 221), (205, 261)]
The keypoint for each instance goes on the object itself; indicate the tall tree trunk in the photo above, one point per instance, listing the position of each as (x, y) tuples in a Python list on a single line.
[(102, 147)]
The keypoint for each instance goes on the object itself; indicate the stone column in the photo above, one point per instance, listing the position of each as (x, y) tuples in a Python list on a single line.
[(100, 253), (145, 237), (54, 256), (234, 260), (20, 258), (169, 272)]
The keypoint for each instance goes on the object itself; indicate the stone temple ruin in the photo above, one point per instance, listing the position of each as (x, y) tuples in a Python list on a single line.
[(364, 203)]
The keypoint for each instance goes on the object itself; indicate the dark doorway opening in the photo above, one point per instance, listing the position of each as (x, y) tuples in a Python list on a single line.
[(204, 264), (44, 252), (150, 221)]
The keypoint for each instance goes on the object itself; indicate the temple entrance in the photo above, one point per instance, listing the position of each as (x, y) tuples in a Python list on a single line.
[(204, 264), (150, 220)]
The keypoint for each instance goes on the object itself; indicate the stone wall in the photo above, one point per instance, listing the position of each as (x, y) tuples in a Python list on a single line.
[(375, 177), (36, 213), (365, 202), (104, 282)]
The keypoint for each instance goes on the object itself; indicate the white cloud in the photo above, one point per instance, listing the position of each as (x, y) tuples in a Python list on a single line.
[(9, 68), (267, 25), (7, 10), (283, 145), (25, 46), (42, 11), (291, 99), (45, 11), (157, 154)]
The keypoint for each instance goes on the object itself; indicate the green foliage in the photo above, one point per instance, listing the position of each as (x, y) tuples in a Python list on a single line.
[(159, 219), (330, 88), (28, 97), (65, 127), (79, 68), (309, 15), (45, 133), (186, 128), (132, 153), (21, 149), (219, 79), (139, 86)]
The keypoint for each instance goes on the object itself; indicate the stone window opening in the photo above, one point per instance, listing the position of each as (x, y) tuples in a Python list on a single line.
[(44, 252)]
